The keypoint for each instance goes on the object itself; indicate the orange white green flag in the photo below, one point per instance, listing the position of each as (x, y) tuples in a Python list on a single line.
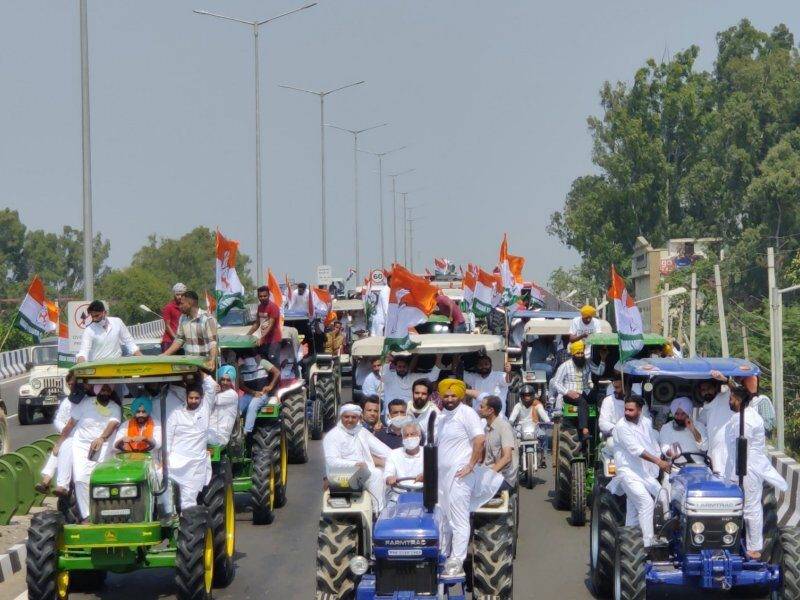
[(228, 290), (468, 284), (275, 294), (627, 316), (320, 303), (484, 297), (411, 299), (37, 315), (510, 273)]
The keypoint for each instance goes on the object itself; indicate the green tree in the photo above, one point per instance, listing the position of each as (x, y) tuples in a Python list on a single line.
[(126, 289)]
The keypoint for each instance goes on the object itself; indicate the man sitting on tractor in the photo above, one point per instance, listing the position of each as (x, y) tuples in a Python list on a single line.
[(349, 444), (421, 407), (259, 378), (571, 384), (268, 324), (59, 462), (226, 407), (612, 408), (397, 381), (140, 433), (501, 443), (682, 430), (391, 435), (486, 381), (373, 383), (638, 460), (334, 339), (759, 466), (405, 461), (371, 414)]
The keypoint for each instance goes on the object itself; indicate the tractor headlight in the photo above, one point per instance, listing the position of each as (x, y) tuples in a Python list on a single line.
[(698, 527), (359, 565), (731, 527), (128, 491), (698, 540), (101, 492), (727, 539)]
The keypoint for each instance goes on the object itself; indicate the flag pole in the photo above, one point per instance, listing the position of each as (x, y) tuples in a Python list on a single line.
[(10, 327)]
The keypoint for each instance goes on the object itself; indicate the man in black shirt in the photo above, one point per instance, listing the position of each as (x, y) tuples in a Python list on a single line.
[(392, 435)]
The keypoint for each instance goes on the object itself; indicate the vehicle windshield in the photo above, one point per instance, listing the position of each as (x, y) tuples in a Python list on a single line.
[(236, 317), (45, 355)]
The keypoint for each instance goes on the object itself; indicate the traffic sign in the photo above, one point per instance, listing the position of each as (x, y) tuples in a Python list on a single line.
[(324, 275)]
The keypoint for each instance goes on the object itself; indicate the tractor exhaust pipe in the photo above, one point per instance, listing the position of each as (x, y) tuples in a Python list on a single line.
[(430, 465)]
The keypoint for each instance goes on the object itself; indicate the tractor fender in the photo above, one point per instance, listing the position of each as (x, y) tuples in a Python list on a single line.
[(360, 510), (498, 505)]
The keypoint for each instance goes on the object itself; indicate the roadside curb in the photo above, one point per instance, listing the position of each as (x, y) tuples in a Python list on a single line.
[(13, 561), (788, 505)]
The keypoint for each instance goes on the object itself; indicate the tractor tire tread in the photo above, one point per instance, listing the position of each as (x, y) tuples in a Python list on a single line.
[(337, 543), (492, 558), (41, 560), (195, 521)]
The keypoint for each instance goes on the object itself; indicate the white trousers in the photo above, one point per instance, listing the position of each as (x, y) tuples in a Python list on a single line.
[(455, 520), (82, 495), (753, 513), (640, 506), (377, 488), (49, 468), (61, 465)]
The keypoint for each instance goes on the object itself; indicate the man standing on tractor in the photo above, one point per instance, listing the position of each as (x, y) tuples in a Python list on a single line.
[(501, 443), (351, 445), (682, 430), (226, 407), (585, 325), (460, 437), (299, 300), (447, 307), (391, 435), (486, 381), (397, 382), (197, 331), (373, 383), (140, 433), (759, 466), (612, 408), (105, 336), (268, 324), (638, 460), (715, 414), (421, 407), (171, 313)]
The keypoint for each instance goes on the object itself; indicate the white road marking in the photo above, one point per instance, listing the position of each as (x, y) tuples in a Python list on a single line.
[(22, 596)]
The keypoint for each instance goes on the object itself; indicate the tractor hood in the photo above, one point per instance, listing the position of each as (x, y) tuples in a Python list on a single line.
[(698, 483), (122, 468), (407, 524)]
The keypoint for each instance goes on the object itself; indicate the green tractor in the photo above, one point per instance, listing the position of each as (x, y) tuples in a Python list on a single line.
[(579, 466), (134, 522), (280, 435)]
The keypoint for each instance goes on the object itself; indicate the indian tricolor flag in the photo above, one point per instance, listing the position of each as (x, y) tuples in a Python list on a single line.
[(411, 299), (510, 273), (228, 289), (37, 315), (468, 284), (628, 318), (483, 299), (320, 303)]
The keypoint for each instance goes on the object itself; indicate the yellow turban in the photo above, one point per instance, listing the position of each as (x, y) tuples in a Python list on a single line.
[(452, 386), (587, 310), (577, 348)]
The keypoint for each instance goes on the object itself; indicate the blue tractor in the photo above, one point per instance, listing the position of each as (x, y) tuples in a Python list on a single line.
[(398, 555), (701, 539)]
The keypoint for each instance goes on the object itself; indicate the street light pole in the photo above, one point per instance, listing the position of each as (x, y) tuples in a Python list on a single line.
[(257, 109), (322, 95), (88, 254), (394, 177), (355, 133), (380, 156)]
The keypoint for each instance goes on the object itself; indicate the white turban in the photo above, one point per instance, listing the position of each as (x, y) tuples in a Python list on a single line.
[(681, 403), (350, 408), (179, 288)]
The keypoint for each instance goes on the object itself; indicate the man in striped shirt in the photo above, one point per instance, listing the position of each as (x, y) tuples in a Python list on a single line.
[(197, 331)]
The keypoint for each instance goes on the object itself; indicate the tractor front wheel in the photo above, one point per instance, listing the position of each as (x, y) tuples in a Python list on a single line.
[(787, 554), (629, 564), (44, 580), (492, 558), (325, 393), (608, 513), (218, 498), (262, 489), (194, 555), (296, 427), (269, 437), (568, 448), (337, 543)]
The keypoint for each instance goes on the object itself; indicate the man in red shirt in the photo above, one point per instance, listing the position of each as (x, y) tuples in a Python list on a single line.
[(447, 307), (171, 313), (269, 324)]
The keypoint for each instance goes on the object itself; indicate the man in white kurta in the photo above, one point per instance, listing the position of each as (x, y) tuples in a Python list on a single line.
[(759, 467), (92, 424), (404, 462), (225, 410), (486, 381), (298, 303), (187, 442), (378, 321), (715, 415), (682, 430), (612, 408), (349, 444), (464, 484), (104, 337), (421, 406), (637, 456), (397, 381), (59, 464)]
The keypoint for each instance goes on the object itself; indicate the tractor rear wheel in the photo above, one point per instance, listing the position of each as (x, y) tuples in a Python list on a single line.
[(270, 438), (218, 498), (496, 322), (41, 560), (262, 488), (316, 425), (629, 564), (608, 513), (492, 558), (568, 447), (577, 497), (295, 424), (769, 507), (337, 543), (325, 392), (194, 555), (787, 555)]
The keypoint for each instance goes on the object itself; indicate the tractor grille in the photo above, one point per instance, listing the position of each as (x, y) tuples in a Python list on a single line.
[(118, 510), (52, 385), (392, 575)]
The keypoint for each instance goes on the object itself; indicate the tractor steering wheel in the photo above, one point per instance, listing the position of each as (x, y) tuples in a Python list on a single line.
[(686, 455), (407, 484)]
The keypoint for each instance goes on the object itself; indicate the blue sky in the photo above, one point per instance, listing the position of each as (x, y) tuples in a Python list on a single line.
[(490, 97)]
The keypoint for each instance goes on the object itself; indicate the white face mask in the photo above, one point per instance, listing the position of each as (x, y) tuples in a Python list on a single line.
[(396, 422), (411, 443)]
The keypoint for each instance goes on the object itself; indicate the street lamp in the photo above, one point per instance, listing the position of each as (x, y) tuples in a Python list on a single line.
[(255, 25), (355, 133), (380, 156), (88, 249), (394, 177), (322, 95), (404, 196), (776, 307)]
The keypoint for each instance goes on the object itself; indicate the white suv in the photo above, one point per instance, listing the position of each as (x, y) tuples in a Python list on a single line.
[(46, 386)]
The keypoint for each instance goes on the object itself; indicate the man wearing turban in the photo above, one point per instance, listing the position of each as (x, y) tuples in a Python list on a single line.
[(682, 430), (225, 410), (140, 433), (585, 325), (464, 485), (349, 444)]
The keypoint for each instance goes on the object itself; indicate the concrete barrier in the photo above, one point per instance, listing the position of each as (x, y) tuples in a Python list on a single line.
[(788, 501)]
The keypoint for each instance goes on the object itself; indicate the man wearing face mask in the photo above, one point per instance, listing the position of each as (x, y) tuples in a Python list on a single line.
[(421, 407), (464, 485), (486, 381), (351, 445), (105, 336), (715, 415), (405, 461), (571, 384), (391, 435)]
